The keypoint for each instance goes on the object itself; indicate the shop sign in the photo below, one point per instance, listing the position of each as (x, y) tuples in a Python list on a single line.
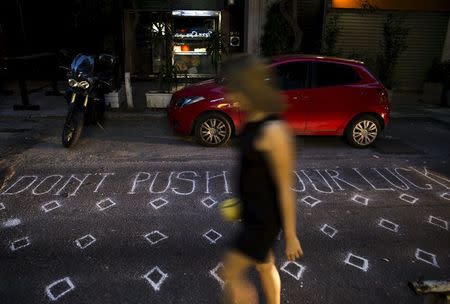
[(193, 34)]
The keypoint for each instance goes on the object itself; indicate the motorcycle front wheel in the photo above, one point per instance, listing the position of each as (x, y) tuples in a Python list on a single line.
[(73, 126)]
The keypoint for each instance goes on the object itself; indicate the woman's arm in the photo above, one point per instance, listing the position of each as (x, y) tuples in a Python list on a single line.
[(277, 142)]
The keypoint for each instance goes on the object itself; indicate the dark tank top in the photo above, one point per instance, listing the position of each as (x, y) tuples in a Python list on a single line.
[(258, 192)]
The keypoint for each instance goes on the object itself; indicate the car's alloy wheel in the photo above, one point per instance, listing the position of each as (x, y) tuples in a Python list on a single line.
[(213, 130), (363, 132)]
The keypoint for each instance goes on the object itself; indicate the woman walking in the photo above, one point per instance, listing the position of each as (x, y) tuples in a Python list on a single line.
[(268, 204)]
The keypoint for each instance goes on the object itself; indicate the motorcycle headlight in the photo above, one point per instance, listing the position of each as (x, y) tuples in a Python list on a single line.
[(190, 100), (72, 83), (84, 84)]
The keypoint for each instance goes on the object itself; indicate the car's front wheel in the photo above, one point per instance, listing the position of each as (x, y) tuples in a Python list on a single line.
[(363, 131), (213, 130)]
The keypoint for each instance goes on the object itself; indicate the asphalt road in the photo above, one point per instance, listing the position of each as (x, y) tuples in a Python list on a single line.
[(130, 215)]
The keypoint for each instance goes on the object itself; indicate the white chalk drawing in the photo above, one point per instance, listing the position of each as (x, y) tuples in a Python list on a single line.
[(357, 261), (361, 199), (428, 186), (215, 275), (2, 206), (293, 269), (80, 182), (65, 283), (157, 281), (330, 189), (12, 223), (212, 236), (446, 196), (311, 201), (370, 183), (85, 241), (138, 179), (438, 222), (104, 176), (224, 175), (328, 230), (209, 202), (192, 181), (408, 198), (404, 187), (105, 204), (33, 180), (426, 257), (386, 224), (169, 181), (334, 175), (51, 206), (20, 243), (440, 180), (301, 182), (158, 203), (155, 237), (35, 192)]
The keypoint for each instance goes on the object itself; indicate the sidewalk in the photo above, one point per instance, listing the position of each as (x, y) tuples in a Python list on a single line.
[(403, 106)]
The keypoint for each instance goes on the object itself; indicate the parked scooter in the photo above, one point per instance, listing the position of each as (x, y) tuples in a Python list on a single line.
[(89, 78)]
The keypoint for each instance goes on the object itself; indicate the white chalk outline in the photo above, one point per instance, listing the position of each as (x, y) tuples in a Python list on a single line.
[(309, 197), (446, 196), (12, 222), (2, 206), (365, 201), (301, 269), (13, 244), (445, 223), (213, 241), (214, 202), (112, 203), (213, 272), (156, 285), (156, 207), (324, 228), (365, 265), (49, 287), (433, 257), (92, 241), (393, 229), (408, 198), (162, 237), (45, 206)]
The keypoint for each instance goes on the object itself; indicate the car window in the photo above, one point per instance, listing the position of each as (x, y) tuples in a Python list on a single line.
[(333, 74), (292, 76)]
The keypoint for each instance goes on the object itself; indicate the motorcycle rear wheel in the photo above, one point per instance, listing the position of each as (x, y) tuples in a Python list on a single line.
[(72, 127)]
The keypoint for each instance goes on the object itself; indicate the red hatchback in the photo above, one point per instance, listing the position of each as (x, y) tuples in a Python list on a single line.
[(325, 96)]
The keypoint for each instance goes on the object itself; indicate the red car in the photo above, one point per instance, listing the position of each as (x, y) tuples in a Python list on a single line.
[(325, 96)]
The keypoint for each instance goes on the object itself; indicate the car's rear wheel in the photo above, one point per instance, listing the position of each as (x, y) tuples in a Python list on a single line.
[(212, 130), (363, 131)]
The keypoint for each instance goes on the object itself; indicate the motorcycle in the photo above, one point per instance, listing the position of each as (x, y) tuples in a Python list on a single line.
[(89, 79)]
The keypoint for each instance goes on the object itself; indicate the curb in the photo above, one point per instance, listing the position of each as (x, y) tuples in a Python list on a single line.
[(108, 115)]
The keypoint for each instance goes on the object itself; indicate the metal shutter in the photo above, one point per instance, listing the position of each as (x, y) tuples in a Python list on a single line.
[(362, 33)]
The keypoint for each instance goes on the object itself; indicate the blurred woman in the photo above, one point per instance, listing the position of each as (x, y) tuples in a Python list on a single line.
[(267, 160)]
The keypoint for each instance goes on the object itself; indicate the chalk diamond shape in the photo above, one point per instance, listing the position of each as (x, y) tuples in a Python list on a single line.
[(156, 277), (51, 206), (209, 202), (155, 237), (212, 236), (311, 201), (438, 222), (158, 203), (426, 257), (105, 204), (215, 275), (446, 196), (59, 288), (357, 261), (85, 241), (328, 230), (293, 269), (20, 243), (361, 199), (2, 206), (408, 198), (386, 224)]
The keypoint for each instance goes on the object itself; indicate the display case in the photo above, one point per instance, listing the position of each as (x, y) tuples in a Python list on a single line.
[(190, 41)]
